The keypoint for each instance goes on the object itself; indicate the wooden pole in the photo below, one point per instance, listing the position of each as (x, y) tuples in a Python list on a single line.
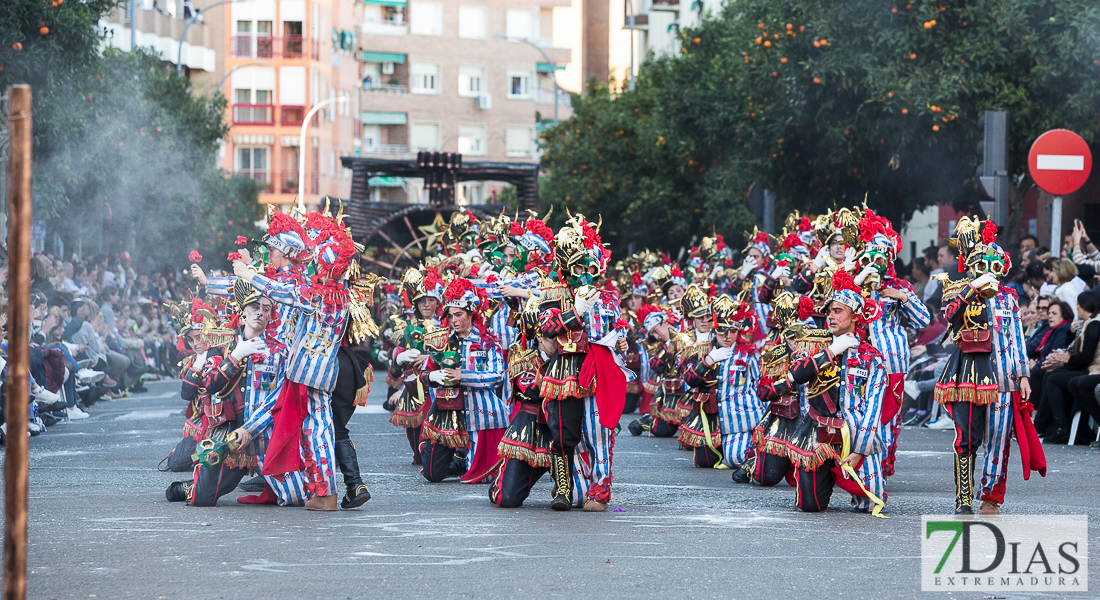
[(19, 324)]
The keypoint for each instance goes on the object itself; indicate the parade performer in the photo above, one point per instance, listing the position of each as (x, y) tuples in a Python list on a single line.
[(724, 389), (637, 355), (755, 271), (466, 368), (772, 436), (303, 436), (1011, 410), (664, 379), (837, 441), (423, 293), (901, 309), (969, 383), (698, 341), (242, 386), (583, 385), (525, 449)]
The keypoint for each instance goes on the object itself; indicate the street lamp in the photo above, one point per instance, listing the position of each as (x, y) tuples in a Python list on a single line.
[(302, 150), (259, 63), (553, 75), (179, 53), (630, 76)]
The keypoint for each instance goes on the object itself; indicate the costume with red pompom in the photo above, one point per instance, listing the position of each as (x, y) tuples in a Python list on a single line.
[(757, 280)]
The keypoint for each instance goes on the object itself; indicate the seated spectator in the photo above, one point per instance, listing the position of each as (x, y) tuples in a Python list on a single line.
[(1076, 369), (1069, 284)]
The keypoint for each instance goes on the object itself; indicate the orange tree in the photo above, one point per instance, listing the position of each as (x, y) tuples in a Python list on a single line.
[(829, 102)]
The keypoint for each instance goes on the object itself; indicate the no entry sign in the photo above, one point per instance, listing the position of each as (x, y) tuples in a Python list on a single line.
[(1059, 161)]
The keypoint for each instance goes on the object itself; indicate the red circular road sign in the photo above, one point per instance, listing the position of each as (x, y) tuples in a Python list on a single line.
[(1059, 161)]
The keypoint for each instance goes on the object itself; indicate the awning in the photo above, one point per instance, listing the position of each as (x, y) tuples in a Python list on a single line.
[(384, 118), (383, 57), (386, 2), (547, 67), (387, 182)]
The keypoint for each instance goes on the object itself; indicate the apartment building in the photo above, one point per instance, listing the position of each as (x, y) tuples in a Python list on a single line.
[(157, 25), (468, 76), (655, 26)]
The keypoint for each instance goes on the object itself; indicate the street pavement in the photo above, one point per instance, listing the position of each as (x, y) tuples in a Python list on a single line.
[(100, 526)]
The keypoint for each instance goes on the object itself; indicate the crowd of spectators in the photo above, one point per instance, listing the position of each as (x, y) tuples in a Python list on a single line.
[(1059, 300), (98, 333)]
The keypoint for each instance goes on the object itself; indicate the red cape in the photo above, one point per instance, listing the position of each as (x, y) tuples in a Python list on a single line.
[(1031, 448), (600, 367), (284, 449)]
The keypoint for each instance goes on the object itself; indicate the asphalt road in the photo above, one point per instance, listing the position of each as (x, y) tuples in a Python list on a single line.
[(100, 526)]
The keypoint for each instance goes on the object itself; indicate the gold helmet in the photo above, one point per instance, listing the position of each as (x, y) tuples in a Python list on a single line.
[(695, 304)]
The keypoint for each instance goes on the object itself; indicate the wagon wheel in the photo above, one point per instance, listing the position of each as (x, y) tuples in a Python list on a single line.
[(395, 263)]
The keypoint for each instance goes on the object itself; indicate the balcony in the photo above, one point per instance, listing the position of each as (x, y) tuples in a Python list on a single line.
[(253, 114), (672, 5), (250, 46), (285, 182), (291, 115), (387, 149), (293, 46), (385, 28), (385, 88), (546, 96), (262, 177), (287, 46)]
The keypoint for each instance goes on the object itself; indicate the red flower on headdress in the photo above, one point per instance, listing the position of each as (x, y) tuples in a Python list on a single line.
[(760, 238), (539, 228), (474, 270), (515, 229), (492, 278), (719, 242), (791, 241), (591, 238), (665, 259), (842, 280), (388, 288), (431, 279), (234, 256), (241, 240), (676, 272), (194, 256), (645, 311), (728, 263), (989, 232), (636, 280), (621, 324), (804, 224), (458, 288), (805, 307)]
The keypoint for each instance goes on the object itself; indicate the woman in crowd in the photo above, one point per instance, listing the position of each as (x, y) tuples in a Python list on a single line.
[(1071, 371), (1069, 284), (1059, 319)]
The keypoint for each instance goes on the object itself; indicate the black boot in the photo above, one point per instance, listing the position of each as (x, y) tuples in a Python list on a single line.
[(561, 468), (964, 486), (640, 425), (356, 494), (178, 491), (254, 485)]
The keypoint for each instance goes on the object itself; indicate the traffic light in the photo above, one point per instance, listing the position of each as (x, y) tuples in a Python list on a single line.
[(993, 170)]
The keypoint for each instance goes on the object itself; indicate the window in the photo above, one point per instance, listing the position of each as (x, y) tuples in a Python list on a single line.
[(371, 134), (471, 81), (425, 78), (425, 18), (518, 24), (519, 84), (471, 23), (252, 162), (517, 141), (425, 136), (471, 139), (244, 27), (471, 193)]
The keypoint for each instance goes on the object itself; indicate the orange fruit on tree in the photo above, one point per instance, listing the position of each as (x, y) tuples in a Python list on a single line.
[(905, 111), (759, 25), (817, 44), (894, 10), (789, 26), (17, 46), (802, 29), (817, 80), (43, 30), (783, 60), (935, 128), (767, 44), (696, 40), (824, 42), (775, 73), (890, 95)]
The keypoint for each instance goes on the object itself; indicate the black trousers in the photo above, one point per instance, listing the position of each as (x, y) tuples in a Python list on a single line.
[(343, 396), (179, 460), (815, 488), (1055, 401), (212, 483), (705, 458), (1083, 390), (770, 469), (438, 462), (566, 421), (970, 422), (413, 435), (631, 403), (664, 429), (513, 483)]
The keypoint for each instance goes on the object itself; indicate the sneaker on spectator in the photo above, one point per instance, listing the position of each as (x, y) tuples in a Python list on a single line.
[(46, 397), (36, 426), (941, 423), (75, 414), (90, 376)]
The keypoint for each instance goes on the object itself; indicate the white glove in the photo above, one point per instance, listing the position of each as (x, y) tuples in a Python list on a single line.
[(842, 343), (781, 271), (822, 256), (850, 259), (248, 348), (585, 303), (984, 280), (407, 356), (864, 274), (437, 377), (719, 354), (200, 360), (748, 266)]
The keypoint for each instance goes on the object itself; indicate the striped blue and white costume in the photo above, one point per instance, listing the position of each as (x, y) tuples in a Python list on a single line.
[(598, 441), (862, 388), (223, 286), (312, 347), (739, 408), (483, 370), (1010, 363)]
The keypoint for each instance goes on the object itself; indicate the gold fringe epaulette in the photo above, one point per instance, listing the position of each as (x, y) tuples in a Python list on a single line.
[(552, 389), (437, 338), (951, 289), (974, 394), (555, 291), (521, 360), (812, 341), (800, 458), (362, 393)]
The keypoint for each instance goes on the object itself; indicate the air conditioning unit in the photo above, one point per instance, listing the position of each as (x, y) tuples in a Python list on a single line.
[(485, 101), (387, 68)]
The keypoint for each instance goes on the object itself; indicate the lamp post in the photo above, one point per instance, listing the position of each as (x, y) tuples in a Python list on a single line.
[(302, 150), (259, 63), (630, 76), (553, 75), (179, 53)]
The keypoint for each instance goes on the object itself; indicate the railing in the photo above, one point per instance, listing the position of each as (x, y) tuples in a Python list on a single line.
[(546, 96), (286, 182), (385, 28), (243, 46), (253, 114), (387, 149), (385, 88), (291, 115), (292, 46), (262, 46)]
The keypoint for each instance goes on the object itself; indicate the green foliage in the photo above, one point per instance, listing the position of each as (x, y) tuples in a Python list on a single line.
[(125, 153), (886, 107)]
